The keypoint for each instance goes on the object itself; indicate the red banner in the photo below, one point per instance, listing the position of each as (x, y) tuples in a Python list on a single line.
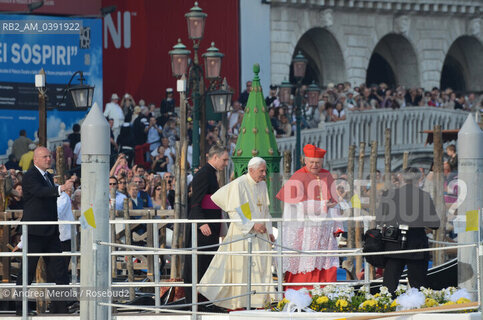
[(139, 34)]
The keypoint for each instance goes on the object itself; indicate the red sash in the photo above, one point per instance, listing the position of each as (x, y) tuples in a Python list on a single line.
[(207, 203)]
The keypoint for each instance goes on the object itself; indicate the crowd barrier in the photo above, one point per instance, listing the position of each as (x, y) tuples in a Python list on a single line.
[(278, 253)]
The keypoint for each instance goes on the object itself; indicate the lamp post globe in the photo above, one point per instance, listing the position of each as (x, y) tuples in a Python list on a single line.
[(299, 66), (285, 92), (213, 59), (196, 22), (313, 94), (221, 98), (82, 94), (179, 59)]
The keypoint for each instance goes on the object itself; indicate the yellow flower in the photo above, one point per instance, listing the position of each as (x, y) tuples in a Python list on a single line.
[(281, 303), (368, 304), (448, 303), (394, 304), (463, 300), (322, 300), (429, 302), (341, 303), (377, 295)]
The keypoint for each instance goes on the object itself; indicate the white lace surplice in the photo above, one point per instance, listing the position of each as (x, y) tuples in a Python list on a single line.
[(309, 235)]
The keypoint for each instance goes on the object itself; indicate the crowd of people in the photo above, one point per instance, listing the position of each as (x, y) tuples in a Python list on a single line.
[(137, 173), (337, 100)]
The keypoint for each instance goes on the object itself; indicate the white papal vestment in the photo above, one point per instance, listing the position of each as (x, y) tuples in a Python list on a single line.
[(234, 268)]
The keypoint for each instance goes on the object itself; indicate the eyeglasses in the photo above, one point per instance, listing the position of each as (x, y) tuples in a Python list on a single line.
[(113, 184), (122, 182), (158, 189)]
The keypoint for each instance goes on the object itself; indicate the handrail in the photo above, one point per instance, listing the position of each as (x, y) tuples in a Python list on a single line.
[(406, 126), (287, 252)]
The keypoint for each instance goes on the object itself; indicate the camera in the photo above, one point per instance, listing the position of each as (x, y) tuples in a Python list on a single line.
[(390, 233), (396, 234)]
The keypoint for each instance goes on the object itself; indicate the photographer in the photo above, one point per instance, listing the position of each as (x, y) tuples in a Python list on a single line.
[(404, 214), (127, 105), (154, 134), (167, 107), (160, 162)]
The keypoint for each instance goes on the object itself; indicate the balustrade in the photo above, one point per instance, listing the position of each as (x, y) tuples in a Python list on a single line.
[(406, 127)]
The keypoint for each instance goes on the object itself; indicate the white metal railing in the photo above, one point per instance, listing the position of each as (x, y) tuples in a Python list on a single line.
[(278, 253), (406, 125)]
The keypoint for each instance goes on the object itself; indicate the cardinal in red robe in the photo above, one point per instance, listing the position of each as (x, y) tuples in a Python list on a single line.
[(310, 194)]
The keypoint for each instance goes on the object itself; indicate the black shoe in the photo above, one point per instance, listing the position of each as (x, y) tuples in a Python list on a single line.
[(212, 308), (58, 307), (30, 312), (73, 307)]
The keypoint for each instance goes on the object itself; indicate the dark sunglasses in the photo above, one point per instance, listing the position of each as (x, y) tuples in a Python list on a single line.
[(113, 184)]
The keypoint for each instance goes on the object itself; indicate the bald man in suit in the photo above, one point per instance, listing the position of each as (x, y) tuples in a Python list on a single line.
[(40, 198)]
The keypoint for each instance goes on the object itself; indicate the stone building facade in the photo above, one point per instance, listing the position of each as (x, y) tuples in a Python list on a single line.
[(431, 43)]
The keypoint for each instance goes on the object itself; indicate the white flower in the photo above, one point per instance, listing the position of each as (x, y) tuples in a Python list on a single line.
[(401, 289), (328, 290), (317, 291), (364, 289), (427, 292)]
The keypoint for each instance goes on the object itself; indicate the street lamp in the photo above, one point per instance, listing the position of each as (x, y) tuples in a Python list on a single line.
[(212, 62), (180, 65), (179, 59), (313, 92), (82, 94), (299, 66), (40, 85), (285, 92), (221, 101), (196, 22), (221, 98)]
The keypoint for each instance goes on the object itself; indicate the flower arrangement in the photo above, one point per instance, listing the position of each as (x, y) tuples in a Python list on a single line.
[(346, 299)]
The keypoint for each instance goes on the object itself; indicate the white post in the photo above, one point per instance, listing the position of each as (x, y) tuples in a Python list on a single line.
[(470, 179), (95, 273)]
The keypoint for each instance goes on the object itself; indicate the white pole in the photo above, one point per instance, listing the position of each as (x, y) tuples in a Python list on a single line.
[(470, 179), (95, 147)]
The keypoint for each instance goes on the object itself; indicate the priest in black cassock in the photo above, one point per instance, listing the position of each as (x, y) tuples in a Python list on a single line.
[(204, 184)]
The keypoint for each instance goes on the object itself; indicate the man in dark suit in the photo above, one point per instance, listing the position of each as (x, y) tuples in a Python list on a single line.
[(410, 211), (40, 204), (204, 184)]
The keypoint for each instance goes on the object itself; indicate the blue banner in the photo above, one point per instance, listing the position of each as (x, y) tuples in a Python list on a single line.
[(60, 52)]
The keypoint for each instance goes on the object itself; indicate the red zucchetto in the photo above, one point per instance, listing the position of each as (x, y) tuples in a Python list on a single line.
[(311, 151)]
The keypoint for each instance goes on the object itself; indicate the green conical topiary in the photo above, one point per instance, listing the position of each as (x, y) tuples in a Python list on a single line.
[(256, 139)]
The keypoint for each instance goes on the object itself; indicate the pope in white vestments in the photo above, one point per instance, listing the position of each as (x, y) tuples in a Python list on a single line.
[(249, 190)]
